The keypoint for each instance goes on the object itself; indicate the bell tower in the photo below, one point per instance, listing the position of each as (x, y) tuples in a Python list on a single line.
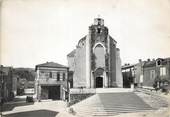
[(99, 60)]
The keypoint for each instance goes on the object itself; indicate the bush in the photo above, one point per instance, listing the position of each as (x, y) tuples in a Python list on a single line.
[(163, 84)]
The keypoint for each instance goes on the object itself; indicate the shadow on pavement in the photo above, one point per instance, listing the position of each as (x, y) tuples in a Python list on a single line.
[(36, 113), (9, 107)]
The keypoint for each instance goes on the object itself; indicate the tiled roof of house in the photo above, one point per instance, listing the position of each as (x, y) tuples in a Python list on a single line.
[(72, 53), (50, 64), (149, 63), (153, 62)]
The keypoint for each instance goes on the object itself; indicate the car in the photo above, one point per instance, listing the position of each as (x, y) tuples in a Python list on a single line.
[(29, 98)]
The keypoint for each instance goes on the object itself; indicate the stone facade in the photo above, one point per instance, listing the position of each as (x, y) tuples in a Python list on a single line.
[(51, 81), (95, 63)]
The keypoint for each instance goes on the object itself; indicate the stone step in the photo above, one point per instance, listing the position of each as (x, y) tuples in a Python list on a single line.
[(113, 90), (110, 104), (112, 109), (106, 111)]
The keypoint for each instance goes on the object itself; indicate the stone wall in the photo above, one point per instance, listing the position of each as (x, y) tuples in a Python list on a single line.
[(71, 63), (112, 63), (147, 80), (79, 77), (75, 98), (119, 78)]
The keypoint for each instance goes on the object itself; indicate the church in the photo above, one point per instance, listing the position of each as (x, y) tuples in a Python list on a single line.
[(95, 63)]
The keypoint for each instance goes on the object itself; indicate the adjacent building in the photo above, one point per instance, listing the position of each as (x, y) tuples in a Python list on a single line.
[(128, 73), (95, 63), (6, 83), (51, 81), (146, 73), (158, 69)]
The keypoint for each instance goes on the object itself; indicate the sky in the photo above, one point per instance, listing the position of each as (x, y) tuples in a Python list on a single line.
[(36, 31)]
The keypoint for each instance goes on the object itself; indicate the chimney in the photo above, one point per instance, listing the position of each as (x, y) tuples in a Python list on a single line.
[(140, 60), (148, 60)]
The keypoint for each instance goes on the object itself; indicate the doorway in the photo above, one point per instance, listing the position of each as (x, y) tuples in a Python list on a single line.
[(54, 92), (99, 82)]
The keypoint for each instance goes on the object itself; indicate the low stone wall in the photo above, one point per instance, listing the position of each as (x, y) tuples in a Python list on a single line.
[(75, 98), (82, 90)]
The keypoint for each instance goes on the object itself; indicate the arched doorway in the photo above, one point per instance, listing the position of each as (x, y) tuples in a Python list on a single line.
[(99, 82), (99, 77)]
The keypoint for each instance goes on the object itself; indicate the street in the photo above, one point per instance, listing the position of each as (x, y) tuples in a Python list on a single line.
[(19, 108)]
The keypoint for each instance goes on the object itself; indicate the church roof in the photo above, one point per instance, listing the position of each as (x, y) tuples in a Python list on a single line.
[(82, 40), (50, 64), (112, 39), (72, 53)]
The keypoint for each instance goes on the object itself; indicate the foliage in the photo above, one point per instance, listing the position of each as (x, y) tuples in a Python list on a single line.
[(163, 83), (27, 73), (93, 64), (107, 61)]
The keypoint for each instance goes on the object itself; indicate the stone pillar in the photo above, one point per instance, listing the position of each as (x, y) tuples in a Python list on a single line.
[(88, 62), (108, 51), (105, 80), (92, 80), (39, 92), (119, 77), (61, 92)]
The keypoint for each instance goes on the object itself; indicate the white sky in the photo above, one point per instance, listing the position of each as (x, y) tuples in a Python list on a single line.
[(36, 31)]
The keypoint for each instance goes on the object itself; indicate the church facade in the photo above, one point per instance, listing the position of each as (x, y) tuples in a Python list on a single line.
[(95, 63)]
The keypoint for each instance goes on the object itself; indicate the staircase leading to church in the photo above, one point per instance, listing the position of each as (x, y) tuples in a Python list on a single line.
[(110, 104)]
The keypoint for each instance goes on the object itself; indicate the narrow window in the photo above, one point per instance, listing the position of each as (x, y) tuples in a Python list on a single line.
[(98, 30), (50, 74), (63, 76), (58, 76), (152, 74)]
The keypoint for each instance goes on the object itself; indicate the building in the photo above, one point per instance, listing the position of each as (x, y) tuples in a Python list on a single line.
[(51, 81), (158, 69), (128, 72), (6, 83), (95, 63), (146, 73)]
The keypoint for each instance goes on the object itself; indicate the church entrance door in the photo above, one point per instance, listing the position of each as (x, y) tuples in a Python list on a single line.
[(99, 82)]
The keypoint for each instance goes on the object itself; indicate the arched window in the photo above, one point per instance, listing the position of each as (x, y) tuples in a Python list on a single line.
[(99, 56)]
